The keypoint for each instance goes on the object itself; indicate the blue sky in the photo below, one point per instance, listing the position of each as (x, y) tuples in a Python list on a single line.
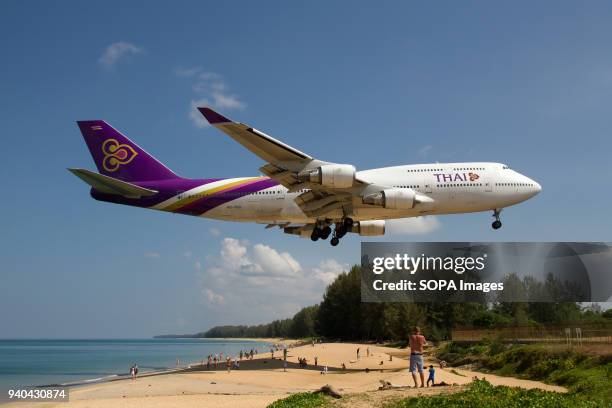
[(528, 84)]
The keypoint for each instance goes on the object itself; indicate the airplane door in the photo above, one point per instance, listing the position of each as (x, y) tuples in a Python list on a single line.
[(426, 185), (488, 185)]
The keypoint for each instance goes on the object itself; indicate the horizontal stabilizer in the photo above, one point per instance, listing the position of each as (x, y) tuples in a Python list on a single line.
[(111, 185)]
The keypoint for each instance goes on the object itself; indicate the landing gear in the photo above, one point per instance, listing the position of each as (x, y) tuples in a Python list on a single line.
[(348, 223), (497, 223), (325, 232), (315, 234), (322, 233), (340, 231)]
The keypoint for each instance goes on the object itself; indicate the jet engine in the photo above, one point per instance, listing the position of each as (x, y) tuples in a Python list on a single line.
[(330, 175), (370, 228), (392, 198)]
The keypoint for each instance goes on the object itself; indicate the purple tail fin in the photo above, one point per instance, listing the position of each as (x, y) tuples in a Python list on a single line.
[(118, 157)]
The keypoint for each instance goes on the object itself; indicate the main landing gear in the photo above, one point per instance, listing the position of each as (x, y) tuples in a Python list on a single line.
[(340, 230), (497, 223), (320, 232)]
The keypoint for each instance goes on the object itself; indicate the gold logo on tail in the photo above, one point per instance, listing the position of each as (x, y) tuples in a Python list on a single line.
[(116, 154)]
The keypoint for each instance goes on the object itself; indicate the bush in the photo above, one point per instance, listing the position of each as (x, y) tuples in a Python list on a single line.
[(482, 394), (300, 400)]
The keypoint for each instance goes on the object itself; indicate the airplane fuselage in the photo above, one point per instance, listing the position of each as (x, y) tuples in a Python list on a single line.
[(452, 187)]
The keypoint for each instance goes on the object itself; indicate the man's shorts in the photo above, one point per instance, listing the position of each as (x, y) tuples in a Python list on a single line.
[(416, 361)]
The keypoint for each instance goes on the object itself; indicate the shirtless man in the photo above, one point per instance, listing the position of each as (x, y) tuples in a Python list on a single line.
[(417, 341)]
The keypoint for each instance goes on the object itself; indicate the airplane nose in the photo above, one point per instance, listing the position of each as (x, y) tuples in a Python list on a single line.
[(536, 187)]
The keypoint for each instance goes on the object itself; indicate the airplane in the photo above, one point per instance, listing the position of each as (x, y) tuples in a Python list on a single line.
[(302, 195)]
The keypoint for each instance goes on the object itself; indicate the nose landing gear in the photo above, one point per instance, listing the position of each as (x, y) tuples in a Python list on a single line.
[(497, 223)]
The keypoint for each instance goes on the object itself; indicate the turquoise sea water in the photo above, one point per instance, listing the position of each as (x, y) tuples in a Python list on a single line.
[(42, 362)]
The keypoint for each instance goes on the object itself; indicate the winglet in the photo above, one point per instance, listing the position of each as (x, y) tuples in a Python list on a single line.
[(213, 117)]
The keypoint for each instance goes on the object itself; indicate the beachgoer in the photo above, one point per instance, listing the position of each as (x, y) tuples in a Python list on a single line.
[(133, 372), (368, 351), (229, 365), (357, 353), (432, 373), (417, 341), (316, 361)]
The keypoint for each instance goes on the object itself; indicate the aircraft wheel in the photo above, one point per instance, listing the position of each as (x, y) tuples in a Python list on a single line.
[(334, 241), (315, 234), (341, 231), (325, 232), (496, 224)]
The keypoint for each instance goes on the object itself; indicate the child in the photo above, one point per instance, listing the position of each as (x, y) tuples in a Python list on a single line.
[(432, 373)]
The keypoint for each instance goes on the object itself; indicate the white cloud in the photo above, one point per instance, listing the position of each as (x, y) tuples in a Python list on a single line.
[(210, 90), (187, 72), (413, 226), (423, 151), (154, 255), (275, 263), (214, 232), (115, 52), (213, 298), (196, 117), (223, 101), (260, 283), (239, 257), (328, 270)]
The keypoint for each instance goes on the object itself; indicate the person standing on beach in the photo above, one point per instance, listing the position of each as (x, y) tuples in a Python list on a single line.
[(417, 342), (357, 353), (285, 359), (229, 365), (133, 372)]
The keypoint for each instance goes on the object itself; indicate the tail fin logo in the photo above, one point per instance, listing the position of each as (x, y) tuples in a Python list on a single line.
[(116, 154)]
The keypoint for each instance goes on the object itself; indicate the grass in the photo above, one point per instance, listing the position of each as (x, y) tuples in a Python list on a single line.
[(482, 394), (588, 376), (301, 400)]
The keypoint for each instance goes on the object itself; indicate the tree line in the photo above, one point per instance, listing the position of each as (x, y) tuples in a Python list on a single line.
[(341, 315)]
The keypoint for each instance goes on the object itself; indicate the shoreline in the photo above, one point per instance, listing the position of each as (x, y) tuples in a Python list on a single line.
[(190, 366)]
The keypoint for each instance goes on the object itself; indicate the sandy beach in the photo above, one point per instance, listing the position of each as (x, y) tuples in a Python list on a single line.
[(262, 380)]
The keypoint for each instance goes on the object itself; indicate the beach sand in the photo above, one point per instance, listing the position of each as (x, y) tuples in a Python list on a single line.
[(262, 380)]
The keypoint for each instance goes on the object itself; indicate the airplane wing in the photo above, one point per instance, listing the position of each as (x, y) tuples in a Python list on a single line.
[(327, 186)]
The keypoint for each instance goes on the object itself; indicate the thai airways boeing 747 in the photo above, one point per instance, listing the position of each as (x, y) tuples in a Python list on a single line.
[(300, 194)]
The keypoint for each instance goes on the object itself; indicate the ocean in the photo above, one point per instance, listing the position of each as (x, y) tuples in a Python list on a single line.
[(26, 363)]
